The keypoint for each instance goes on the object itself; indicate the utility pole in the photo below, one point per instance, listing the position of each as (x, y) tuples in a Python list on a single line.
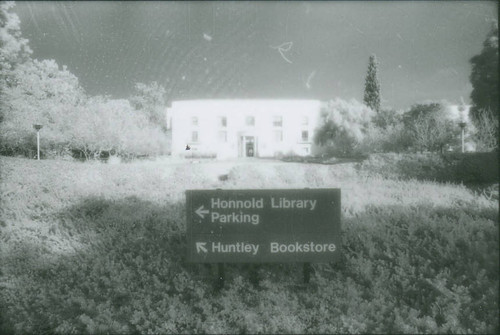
[(37, 127)]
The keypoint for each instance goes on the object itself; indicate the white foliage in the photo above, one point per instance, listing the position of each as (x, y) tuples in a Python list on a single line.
[(351, 116)]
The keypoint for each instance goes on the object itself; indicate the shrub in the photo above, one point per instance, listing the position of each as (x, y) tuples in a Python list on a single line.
[(93, 248), (386, 118), (343, 127), (486, 131), (392, 138), (450, 167)]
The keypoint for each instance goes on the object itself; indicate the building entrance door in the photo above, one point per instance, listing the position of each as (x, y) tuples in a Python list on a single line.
[(249, 146)]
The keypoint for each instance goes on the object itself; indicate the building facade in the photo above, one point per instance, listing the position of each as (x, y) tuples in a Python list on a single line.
[(243, 128)]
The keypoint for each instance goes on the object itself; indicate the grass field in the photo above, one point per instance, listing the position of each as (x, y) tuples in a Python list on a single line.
[(100, 248)]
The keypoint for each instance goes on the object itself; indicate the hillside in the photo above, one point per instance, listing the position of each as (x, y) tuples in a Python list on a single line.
[(93, 248)]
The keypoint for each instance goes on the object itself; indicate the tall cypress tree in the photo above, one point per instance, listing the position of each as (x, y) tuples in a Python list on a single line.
[(372, 85)]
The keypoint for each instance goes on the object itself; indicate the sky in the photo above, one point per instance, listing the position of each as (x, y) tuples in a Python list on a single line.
[(264, 50)]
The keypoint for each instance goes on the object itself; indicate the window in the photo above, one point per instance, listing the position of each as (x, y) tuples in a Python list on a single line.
[(278, 136), (194, 136), (222, 121), (278, 121), (222, 135), (194, 121), (305, 120), (305, 136), (250, 121)]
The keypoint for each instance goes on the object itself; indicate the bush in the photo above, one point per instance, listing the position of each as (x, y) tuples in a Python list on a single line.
[(386, 118), (450, 167), (392, 138), (343, 127), (92, 248)]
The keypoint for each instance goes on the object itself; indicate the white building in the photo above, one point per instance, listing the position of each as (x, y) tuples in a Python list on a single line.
[(243, 128)]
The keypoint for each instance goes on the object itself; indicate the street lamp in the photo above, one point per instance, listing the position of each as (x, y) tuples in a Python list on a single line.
[(37, 127), (462, 125)]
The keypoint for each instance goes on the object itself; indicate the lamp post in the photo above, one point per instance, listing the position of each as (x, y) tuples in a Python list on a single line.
[(462, 125), (37, 127)]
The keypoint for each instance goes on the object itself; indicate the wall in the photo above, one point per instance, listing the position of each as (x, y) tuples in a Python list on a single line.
[(208, 113)]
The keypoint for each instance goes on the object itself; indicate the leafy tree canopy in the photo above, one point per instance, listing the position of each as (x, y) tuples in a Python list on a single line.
[(344, 125), (484, 77), (43, 94), (150, 99), (429, 127), (14, 48), (387, 118)]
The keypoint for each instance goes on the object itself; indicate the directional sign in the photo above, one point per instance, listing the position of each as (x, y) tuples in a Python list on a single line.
[(201, 247), (201, 212), (283, 225)]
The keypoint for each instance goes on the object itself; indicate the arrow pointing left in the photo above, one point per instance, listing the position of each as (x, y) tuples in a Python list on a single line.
[(201, 246), (201, 212)]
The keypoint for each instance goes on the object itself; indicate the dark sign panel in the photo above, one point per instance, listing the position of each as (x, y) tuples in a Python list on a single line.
[(289, 225)]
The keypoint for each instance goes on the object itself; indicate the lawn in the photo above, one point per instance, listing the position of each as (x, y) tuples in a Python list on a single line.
[(100, 248)]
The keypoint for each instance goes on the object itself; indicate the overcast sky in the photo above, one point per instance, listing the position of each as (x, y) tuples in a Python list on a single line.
[(283, 49)]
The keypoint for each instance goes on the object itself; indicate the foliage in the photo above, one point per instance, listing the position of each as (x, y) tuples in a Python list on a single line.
[(40, 92), (486, 132), (343, 126), (484, 78), (469, 168), (92, 248), (385, 118), (113, 126), (14, 48), (392, 138), (372, 85), (150, 100), (429, 128), (43, 94), (72, 123), (386, 133)]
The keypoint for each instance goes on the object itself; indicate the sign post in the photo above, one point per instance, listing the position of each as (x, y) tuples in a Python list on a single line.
[(263, 226), (307, 272), (220, 278)]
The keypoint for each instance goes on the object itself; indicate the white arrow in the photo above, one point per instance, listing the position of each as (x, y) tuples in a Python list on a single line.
[(201, 212), (201, 246)]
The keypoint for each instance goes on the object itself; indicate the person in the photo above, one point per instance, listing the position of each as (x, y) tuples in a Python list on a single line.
[(187, 147)]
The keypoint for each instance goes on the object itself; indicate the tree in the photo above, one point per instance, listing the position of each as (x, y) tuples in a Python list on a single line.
[(344, 125), (372, 85), (429, 127), (105, 126), (41, 93), (484, 78), (386, 118), (150, 99), (14, 48), (486, 132)]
